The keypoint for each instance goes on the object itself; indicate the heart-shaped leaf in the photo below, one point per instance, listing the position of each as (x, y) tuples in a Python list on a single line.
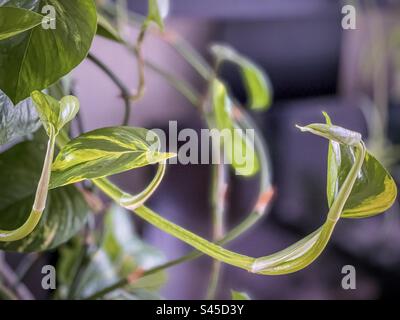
[(16, 121), (35, 59), (55, 114), (14, 21), (65, 212), (374, 190), (257, 84), (104, 152), (238, 145)]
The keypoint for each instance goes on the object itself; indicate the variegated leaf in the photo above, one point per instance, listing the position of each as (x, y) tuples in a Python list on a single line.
[(16, 121), (55, 114), (374, 190), (238, 147), (104, 152)]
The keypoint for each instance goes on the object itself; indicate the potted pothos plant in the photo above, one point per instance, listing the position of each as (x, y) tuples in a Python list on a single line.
[(45, 201)]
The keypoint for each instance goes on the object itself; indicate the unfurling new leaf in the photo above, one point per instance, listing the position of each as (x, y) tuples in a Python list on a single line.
[(333, 133), (55, 114)]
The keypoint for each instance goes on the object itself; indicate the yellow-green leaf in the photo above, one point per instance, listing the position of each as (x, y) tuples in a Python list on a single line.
[(257, 84), (104, 152), (238, 143), (55, 114), (333, 133), (374, 190)]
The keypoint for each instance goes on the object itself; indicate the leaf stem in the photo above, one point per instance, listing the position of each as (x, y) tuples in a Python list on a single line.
[(188, 53), (263, 202), (133, 202), (218, 196), (125, 94), (39, 202), (181, 86), (172, 38), (6, 294), (140, 62)]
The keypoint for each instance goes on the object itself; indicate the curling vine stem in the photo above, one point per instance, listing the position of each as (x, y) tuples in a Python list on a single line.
[(125, 94)]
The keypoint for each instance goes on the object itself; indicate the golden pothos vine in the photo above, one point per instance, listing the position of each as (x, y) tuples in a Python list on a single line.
[(44, 201)]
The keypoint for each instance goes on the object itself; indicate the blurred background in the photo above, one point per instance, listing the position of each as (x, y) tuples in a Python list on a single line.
[(314, 65)]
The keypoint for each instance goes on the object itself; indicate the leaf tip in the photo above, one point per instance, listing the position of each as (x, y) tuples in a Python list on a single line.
[(170, 155), (327, 118), (301, 128)]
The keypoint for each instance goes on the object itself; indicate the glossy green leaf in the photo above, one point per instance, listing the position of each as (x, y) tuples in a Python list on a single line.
[(14, 21), (374, 190), (104, 152), (158, 10), (16, 121), (35, 59), (65, 212), (107, 30), (239, 147), (55, 114), (333, 133), (236, 295), (257, 84)]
